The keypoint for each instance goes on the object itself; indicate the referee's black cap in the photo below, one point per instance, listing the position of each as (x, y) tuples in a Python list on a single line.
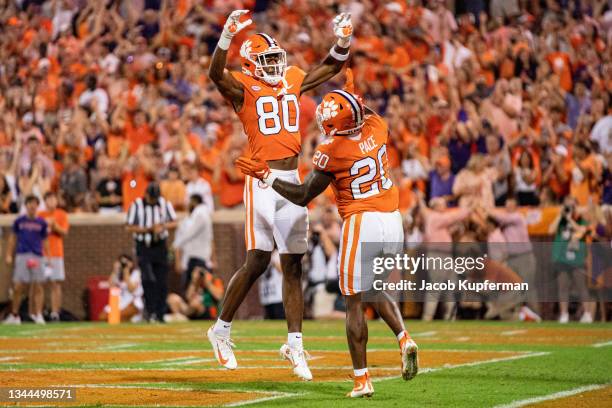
[(153, 190)]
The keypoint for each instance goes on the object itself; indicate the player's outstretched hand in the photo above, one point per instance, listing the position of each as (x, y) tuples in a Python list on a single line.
[(253, 167), (233, 25), (343, 29)]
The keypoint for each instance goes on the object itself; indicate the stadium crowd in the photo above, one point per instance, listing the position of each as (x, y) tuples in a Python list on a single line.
[(485, 100), (98, 98)]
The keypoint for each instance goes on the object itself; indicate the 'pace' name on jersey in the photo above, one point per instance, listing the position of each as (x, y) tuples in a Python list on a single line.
[(368, 145)]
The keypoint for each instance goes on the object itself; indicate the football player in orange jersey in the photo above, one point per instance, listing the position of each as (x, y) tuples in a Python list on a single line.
[(265, 96), (354, 161)]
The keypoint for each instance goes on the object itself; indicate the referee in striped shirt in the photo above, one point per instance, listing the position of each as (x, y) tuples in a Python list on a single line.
[(149, 220)]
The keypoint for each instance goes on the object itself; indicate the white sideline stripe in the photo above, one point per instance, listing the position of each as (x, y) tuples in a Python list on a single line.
[(513, 332), (113, 347), (9, 358), (471, 364), (554, 396), (604, 344), (424, 334), (170, 360), (193, 361), (272, 394), (264, 358), (276, 395), (325, 368)]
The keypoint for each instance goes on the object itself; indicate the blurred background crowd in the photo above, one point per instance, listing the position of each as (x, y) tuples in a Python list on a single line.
[(489, 103), (98, 98)]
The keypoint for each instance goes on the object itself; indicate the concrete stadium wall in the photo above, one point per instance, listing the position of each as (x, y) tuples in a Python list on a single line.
[(95, 240)]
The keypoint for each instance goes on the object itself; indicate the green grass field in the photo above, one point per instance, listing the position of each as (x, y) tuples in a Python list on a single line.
[(463, 364)]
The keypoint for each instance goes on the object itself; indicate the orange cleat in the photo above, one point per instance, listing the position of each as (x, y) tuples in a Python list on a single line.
[(410, 359), (362, 388)]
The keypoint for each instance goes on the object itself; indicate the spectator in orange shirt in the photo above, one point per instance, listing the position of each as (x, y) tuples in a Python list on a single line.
[(561, 65), (585, 176), (173, 189), (57, 224), (230, 178), (138, 131)]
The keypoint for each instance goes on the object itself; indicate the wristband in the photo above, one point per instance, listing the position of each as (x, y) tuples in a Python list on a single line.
[(336, 55), (224, 42), (269, 179)]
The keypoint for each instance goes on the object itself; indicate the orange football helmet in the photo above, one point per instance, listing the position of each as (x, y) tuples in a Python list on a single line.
[(340, 113), (262, 58)]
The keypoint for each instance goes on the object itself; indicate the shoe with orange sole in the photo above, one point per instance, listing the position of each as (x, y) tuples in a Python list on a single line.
[(362, 388), (410, 358), (223, 348)]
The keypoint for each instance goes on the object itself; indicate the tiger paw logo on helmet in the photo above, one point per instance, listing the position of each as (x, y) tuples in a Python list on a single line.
[(329, 110)]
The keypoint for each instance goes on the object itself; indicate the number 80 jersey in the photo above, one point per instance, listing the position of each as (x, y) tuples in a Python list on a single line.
[(272, 122), (360, 169)]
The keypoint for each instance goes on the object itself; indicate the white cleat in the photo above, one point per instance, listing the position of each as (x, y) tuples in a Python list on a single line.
[(586, 318), (12, 319), (223, 348), (297, 357), (362, 388), (38, 318), (410, 358), (564, 318)]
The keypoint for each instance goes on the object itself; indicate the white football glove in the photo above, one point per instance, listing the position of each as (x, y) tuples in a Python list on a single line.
[(232, 27), (343, 29)]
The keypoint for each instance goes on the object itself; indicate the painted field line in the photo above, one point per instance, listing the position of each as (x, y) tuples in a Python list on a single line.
[(424, 334), (603, 344), (272, 395), (9, 358), (184, 367), (192, 361), (113, 347), (276, 395), (170, 360), (554, 396), (513, 332), (471, 364)]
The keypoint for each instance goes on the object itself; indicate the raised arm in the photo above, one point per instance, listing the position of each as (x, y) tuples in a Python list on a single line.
[(339, 53), (301, 194), (225, 82)]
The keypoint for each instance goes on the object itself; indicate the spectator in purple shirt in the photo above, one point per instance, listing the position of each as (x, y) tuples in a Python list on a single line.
[(26, 244), (441, 180)]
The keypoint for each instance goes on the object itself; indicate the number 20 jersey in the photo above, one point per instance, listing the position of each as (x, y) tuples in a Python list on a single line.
[(360, 169), (272, 122)]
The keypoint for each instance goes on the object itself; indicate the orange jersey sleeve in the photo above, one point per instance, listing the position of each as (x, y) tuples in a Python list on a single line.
[(272, 122), (360, 168)]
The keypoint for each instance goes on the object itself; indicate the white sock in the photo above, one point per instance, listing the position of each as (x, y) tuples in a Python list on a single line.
[(294, 339), (222, 328), (360, 372), (401, 335)]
